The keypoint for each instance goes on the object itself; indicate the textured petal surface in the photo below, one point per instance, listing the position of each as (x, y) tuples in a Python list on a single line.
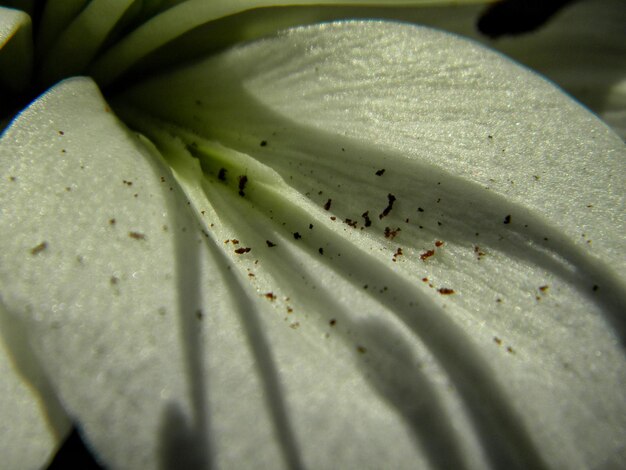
[(506, 212), (583, 50), (188, 15)]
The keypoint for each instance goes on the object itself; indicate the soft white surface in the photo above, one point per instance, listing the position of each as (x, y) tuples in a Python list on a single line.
[(166, 345)]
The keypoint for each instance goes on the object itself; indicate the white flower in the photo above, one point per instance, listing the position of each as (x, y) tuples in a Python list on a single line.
[(347, 245)]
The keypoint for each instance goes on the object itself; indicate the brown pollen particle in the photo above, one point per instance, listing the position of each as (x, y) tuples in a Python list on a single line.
[(391, 234), (241, 251), (137, 235), (390, 200), (366, 216), (243, 180), (39, 248), (445, 291)]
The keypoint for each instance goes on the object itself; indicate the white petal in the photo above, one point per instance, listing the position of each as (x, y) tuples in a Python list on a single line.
[(184, 17), (16, 49), (522, 185), (95, 252), (155, 346), (581, 48)]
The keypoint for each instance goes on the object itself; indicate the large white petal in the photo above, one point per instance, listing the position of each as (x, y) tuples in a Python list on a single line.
[(523, 186), (306, 364)]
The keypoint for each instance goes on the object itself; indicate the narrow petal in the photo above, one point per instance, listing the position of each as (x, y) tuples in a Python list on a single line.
[(79, 42), (56, 18), (421, 187)]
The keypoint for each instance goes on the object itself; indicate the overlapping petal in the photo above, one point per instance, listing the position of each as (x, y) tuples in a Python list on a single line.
[(383, 262), (80, 41)]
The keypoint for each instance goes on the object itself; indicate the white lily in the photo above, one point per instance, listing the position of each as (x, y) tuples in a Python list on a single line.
[(347, 245)]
